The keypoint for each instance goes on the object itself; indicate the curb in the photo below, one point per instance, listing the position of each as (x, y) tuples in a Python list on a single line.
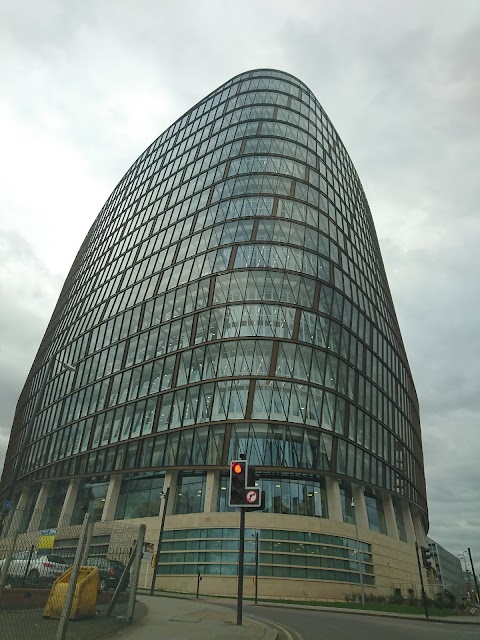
[(270, 634)]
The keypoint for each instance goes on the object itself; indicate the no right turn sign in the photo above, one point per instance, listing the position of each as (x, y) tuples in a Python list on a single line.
[(252, 496)]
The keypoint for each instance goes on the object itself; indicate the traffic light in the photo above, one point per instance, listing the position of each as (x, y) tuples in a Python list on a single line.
[(243, 492), (426, 557), (238, 482)]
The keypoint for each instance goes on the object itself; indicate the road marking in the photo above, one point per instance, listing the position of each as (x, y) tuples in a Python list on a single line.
[(291, 634)]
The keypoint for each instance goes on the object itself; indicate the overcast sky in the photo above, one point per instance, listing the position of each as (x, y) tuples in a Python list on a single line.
[(85, 87)]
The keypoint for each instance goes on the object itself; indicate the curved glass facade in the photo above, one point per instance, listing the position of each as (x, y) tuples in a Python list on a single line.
[(230, 298), (283, 554)]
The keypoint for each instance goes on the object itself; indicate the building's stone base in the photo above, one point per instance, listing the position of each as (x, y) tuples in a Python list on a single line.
[(394, 561)]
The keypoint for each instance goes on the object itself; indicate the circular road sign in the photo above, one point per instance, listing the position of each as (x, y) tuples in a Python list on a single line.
[(252, 496)]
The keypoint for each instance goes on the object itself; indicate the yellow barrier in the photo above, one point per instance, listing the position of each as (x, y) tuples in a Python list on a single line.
[(84, 603)]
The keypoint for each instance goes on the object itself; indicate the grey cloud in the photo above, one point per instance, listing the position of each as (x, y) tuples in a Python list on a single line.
[(401, 87), (26, 304)]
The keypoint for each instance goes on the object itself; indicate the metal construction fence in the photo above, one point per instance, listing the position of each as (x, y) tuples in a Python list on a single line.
[(75, 582)]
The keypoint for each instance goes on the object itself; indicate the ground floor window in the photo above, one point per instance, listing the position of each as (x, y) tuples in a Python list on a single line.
[(54, 503), (91, 497), (287, 554), (346, 497), (397, 509), (28, 516), (376, 516), (287, 493), (190, 492), (140, 495)]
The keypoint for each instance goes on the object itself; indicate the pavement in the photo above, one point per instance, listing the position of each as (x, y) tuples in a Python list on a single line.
[(191, 619)]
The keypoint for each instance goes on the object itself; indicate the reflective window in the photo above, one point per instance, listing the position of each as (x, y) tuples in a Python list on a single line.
[(239, 358), (29, 514), (286, 493), (189, 493), (91, 496), (281, 553), (276, 257), (346, 497), (397, 509), (53, 505), (245, 320), (140, 496), (279, 445), (266, 286), (376, 516)]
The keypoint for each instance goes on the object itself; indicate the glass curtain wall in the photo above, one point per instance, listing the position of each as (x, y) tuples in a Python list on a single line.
[(231, 298)]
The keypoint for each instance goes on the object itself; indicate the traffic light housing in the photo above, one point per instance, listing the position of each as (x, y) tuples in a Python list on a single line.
[(238, 482), (243, 492), (426, 557)]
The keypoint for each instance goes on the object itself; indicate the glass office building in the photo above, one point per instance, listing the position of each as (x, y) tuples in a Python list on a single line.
[(231, 298)]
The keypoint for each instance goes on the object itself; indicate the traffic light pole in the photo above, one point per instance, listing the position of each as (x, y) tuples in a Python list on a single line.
[(474, 574), (163, 495), (256, 567), (241, 549), (424, 595)]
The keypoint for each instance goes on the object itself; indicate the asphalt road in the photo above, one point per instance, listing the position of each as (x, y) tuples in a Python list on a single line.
[(326, 625)]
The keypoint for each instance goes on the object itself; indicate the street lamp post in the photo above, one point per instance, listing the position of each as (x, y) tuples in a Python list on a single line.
[(164, 495), (26, 436), (357, 551)]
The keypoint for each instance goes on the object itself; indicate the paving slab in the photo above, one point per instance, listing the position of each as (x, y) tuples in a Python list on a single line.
[(184, 619)]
